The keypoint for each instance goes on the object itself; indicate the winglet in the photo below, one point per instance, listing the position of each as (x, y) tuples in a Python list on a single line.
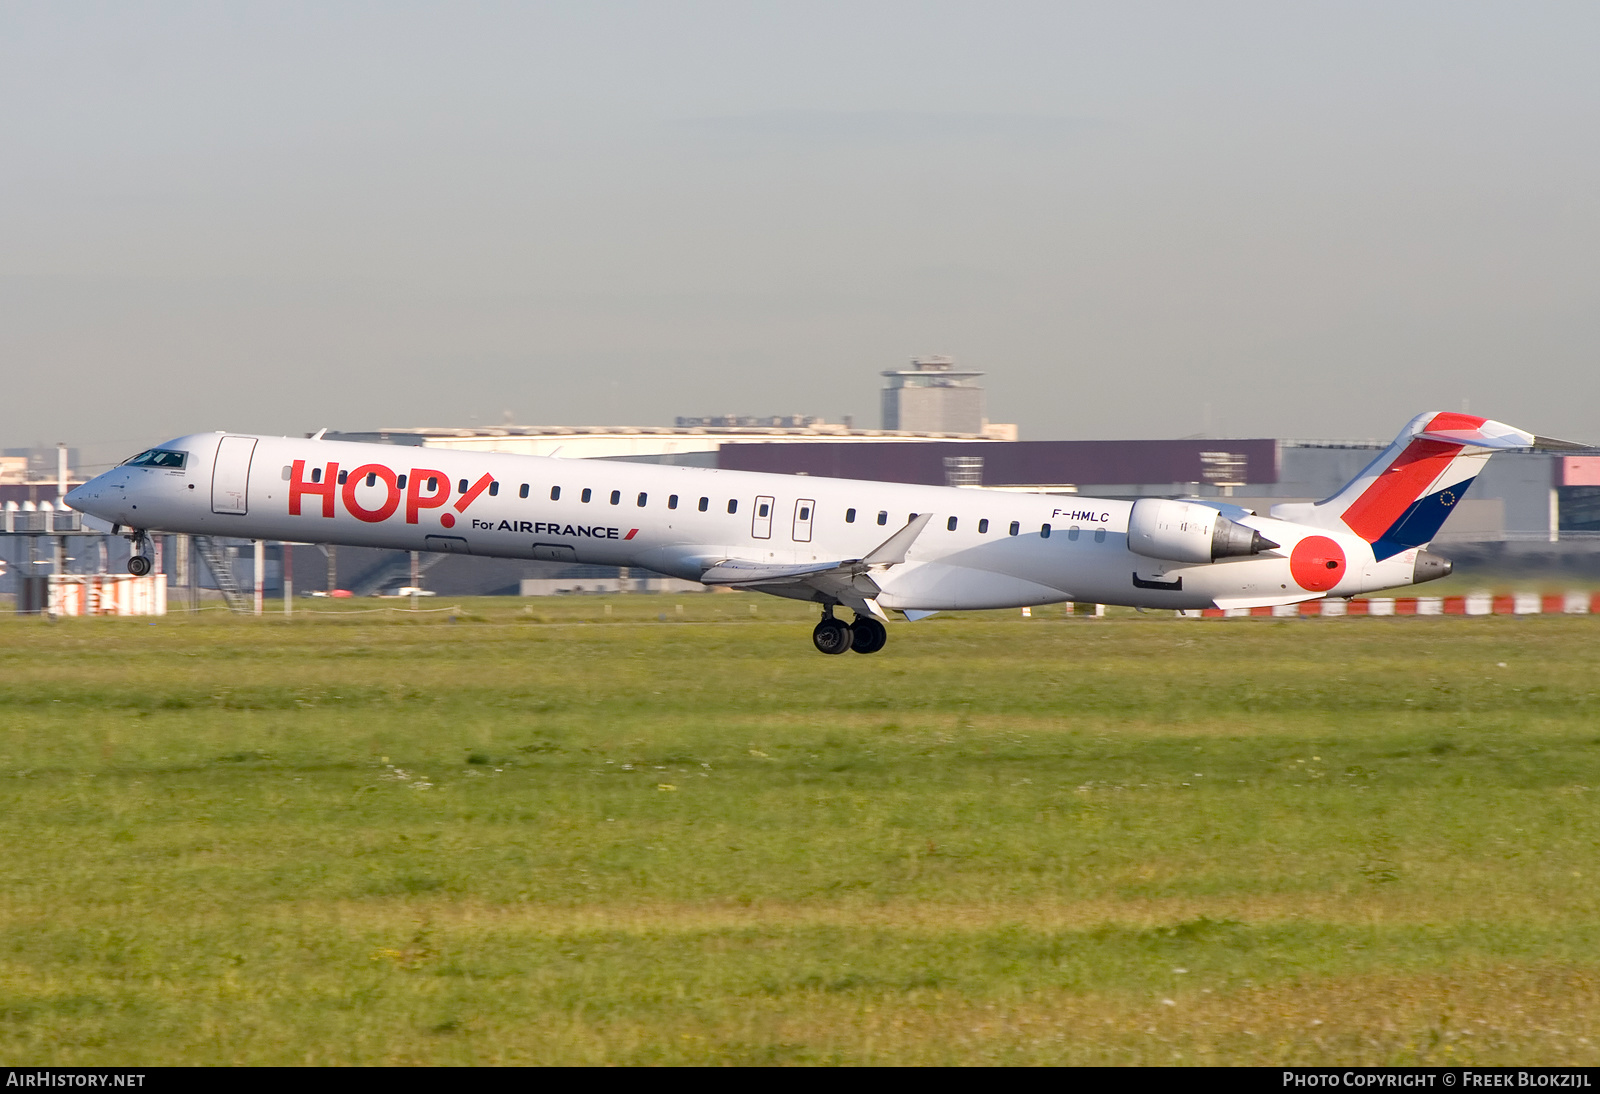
[(317, 436), (892, 551)]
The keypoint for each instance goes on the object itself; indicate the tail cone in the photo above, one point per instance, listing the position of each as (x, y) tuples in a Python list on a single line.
[(1430, 567)]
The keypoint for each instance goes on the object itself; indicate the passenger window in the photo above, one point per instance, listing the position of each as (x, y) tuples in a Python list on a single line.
[(883, 517), (1044, 531), (316, 474), (372, 478), (951, 524), (586, 495), (523, 492), (733, 505), (343, 475), (672, 501), (849, 516), (1016, 527), (494, 488), (433, 484), (983, 526), (555, 493), (1099, 535), (616, 497), (461, 487), (705, 503), (400, 481), (643, 497), (760, 510), (1072, 534)]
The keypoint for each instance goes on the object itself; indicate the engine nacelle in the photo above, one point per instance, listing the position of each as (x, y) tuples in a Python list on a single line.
[(1181, 531)]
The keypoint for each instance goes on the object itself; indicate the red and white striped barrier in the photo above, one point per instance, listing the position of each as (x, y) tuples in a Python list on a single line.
[(108, 594), (1569, 603)]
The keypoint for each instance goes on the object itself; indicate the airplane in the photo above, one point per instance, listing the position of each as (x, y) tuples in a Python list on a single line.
[(869, 547)]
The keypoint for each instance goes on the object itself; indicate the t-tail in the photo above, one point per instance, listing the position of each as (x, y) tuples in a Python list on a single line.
[(1402, 498)]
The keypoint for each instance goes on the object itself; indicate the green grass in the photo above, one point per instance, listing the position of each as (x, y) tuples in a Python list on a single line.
[(511, 832)]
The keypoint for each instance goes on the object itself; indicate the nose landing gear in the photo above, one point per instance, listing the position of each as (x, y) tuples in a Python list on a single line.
[(834, 636), (140, 564)]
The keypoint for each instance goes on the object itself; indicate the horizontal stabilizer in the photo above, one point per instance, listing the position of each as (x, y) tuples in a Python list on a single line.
[(1473, 432), (1550, 444)]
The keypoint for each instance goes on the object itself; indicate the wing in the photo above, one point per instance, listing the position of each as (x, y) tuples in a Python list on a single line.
[(848, 581)]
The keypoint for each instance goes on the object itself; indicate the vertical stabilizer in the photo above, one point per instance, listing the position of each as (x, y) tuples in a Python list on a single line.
[(1401, 499)]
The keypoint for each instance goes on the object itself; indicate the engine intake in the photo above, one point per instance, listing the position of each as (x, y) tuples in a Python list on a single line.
[(1182, 531)]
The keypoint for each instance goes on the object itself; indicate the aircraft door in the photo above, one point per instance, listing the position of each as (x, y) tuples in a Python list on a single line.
[(230, 476), (761, 522), (804, 512)]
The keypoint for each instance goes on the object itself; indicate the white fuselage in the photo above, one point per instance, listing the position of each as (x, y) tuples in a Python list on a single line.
[(1004, 549)]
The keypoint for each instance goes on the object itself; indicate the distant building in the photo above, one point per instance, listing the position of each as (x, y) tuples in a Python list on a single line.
[(688, 445), (43, 473), (39, 464), (747, 421), (933, 396)]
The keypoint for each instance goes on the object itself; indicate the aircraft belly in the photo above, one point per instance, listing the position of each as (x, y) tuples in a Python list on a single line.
[(1105, 573), (686, 561), (938, 586)]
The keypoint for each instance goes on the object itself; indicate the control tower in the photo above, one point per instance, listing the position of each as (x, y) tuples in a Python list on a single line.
[(933, 396)]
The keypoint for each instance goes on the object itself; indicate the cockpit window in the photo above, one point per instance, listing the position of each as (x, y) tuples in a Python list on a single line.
[(159, 457)]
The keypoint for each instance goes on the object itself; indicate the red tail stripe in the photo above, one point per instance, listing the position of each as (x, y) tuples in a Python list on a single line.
[(1449, 420), (1400, 484)]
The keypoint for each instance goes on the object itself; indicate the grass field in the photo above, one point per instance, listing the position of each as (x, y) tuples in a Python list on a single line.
[(602, 831)]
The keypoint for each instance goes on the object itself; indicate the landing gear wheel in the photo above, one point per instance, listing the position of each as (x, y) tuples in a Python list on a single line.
[(831, 636), (867, 635), (138, 565)]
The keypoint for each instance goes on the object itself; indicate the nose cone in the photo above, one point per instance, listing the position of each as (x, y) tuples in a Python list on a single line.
[(94, 498)]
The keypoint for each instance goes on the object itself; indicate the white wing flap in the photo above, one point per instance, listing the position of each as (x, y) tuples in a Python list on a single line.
[(735, 571), (848, 581)]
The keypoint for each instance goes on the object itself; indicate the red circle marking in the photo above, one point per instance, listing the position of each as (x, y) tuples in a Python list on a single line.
[(447, 519), (1317, 563)]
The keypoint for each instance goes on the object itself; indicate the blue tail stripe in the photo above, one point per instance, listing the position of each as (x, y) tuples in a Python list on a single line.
[(1420, 522)]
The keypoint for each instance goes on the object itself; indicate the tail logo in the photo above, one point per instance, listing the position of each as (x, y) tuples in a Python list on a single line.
[(1317, 564)]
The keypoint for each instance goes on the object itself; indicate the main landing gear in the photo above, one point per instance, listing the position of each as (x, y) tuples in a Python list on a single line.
[(865, 635)]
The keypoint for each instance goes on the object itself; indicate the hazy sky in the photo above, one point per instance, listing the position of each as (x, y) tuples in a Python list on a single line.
[(1153, 220)]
